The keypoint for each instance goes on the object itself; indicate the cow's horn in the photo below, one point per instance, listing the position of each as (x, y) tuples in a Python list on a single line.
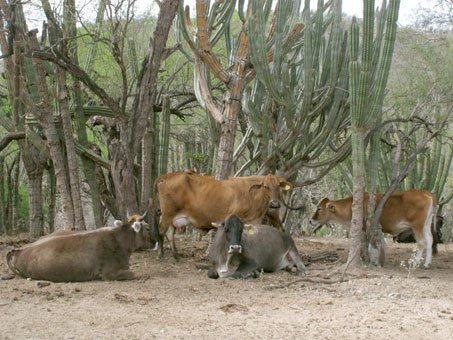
[(127, 214), (141, 218)]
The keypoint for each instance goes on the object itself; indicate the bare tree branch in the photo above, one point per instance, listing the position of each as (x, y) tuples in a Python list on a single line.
[(9, 138)]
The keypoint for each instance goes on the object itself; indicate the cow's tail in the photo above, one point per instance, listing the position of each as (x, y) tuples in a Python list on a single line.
[(10, 260)]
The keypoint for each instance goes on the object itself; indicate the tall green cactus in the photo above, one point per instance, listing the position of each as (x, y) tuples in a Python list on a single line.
[(214, 21), (298, 106)]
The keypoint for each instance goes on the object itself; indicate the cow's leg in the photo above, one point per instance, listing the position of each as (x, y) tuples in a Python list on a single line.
[(120, 275), (246, 269), (164, 225), (294, 255), (212, 273), (171, 238), (424, 241)]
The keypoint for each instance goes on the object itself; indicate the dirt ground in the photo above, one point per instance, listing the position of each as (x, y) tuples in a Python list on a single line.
[(171, 300)]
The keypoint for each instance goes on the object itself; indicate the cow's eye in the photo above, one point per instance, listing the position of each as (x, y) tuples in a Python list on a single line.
[(266, 187)]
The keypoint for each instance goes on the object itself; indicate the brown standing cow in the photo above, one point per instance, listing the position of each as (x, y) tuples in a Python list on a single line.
[(412, 209)]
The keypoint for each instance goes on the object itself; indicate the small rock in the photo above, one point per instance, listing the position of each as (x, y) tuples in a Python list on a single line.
[(42, 284), (7, 277), (394, 295)]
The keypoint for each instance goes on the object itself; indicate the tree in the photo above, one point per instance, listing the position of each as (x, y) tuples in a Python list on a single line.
[(368, 80)]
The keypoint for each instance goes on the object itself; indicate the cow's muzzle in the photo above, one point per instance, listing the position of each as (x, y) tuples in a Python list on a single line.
[(235, 249), (313, 222), (274, 204)]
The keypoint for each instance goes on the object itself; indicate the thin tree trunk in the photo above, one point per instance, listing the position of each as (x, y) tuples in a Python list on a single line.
[(9, 200), (88, 165), (15, 198), (35, 203), (2, 196), (147, 179), (358, 178), (52, 185), (228, 131), (73, 170)]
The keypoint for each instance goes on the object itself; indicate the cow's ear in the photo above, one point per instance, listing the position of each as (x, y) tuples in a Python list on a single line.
[(137, 226), (286, 185), (118, 223), (331, 208), (217, 224), (256, 186)]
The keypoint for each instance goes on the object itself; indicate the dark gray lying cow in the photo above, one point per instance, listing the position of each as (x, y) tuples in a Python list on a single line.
[(81, 256), (408, 236), (239, 251)]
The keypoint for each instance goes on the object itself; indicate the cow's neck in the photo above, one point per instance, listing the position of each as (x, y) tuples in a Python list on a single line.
[(343, 213)]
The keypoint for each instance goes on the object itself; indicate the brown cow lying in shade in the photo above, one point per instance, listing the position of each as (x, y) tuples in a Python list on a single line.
[(81, 256)]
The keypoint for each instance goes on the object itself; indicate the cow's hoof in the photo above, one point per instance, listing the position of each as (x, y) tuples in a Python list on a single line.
[(426, 266)]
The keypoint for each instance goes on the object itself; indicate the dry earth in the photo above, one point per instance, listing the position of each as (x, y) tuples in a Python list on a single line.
[(178, 301)]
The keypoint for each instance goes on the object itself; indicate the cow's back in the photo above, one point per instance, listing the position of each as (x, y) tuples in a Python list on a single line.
[(266, 245), (406, 208), (207, 200)]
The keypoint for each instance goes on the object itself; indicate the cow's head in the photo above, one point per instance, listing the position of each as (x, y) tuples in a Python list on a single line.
[(143, 233), (233, 228), (273, 186), (325, 212)]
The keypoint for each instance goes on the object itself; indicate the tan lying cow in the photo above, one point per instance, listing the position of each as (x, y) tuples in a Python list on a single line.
[(403, 210), (197, 201), (81, 255)]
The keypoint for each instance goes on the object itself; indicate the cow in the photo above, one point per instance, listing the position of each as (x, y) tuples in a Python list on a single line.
[(130, 219), (412, 209), (272, 213), (81, 255), (239, 251), (408, 236), (197, 201)]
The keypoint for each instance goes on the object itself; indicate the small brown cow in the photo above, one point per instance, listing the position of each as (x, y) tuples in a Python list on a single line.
[(403, 210), (197, 201), (81, 255)]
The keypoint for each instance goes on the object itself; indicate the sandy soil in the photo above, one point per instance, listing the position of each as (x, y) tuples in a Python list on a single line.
[(178, 301)]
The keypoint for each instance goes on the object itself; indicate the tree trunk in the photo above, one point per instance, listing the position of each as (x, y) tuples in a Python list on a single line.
[(147, 179), (358, 178), (35, 203), (9, 200), (133, 132), (52, 196), (228, 133), (2, 195), (73, 171), (88, 165), (15, 199), (374, 236)]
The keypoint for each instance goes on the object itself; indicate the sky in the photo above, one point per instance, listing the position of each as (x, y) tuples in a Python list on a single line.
[(406, 13), (355, 7), (350, 7)]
